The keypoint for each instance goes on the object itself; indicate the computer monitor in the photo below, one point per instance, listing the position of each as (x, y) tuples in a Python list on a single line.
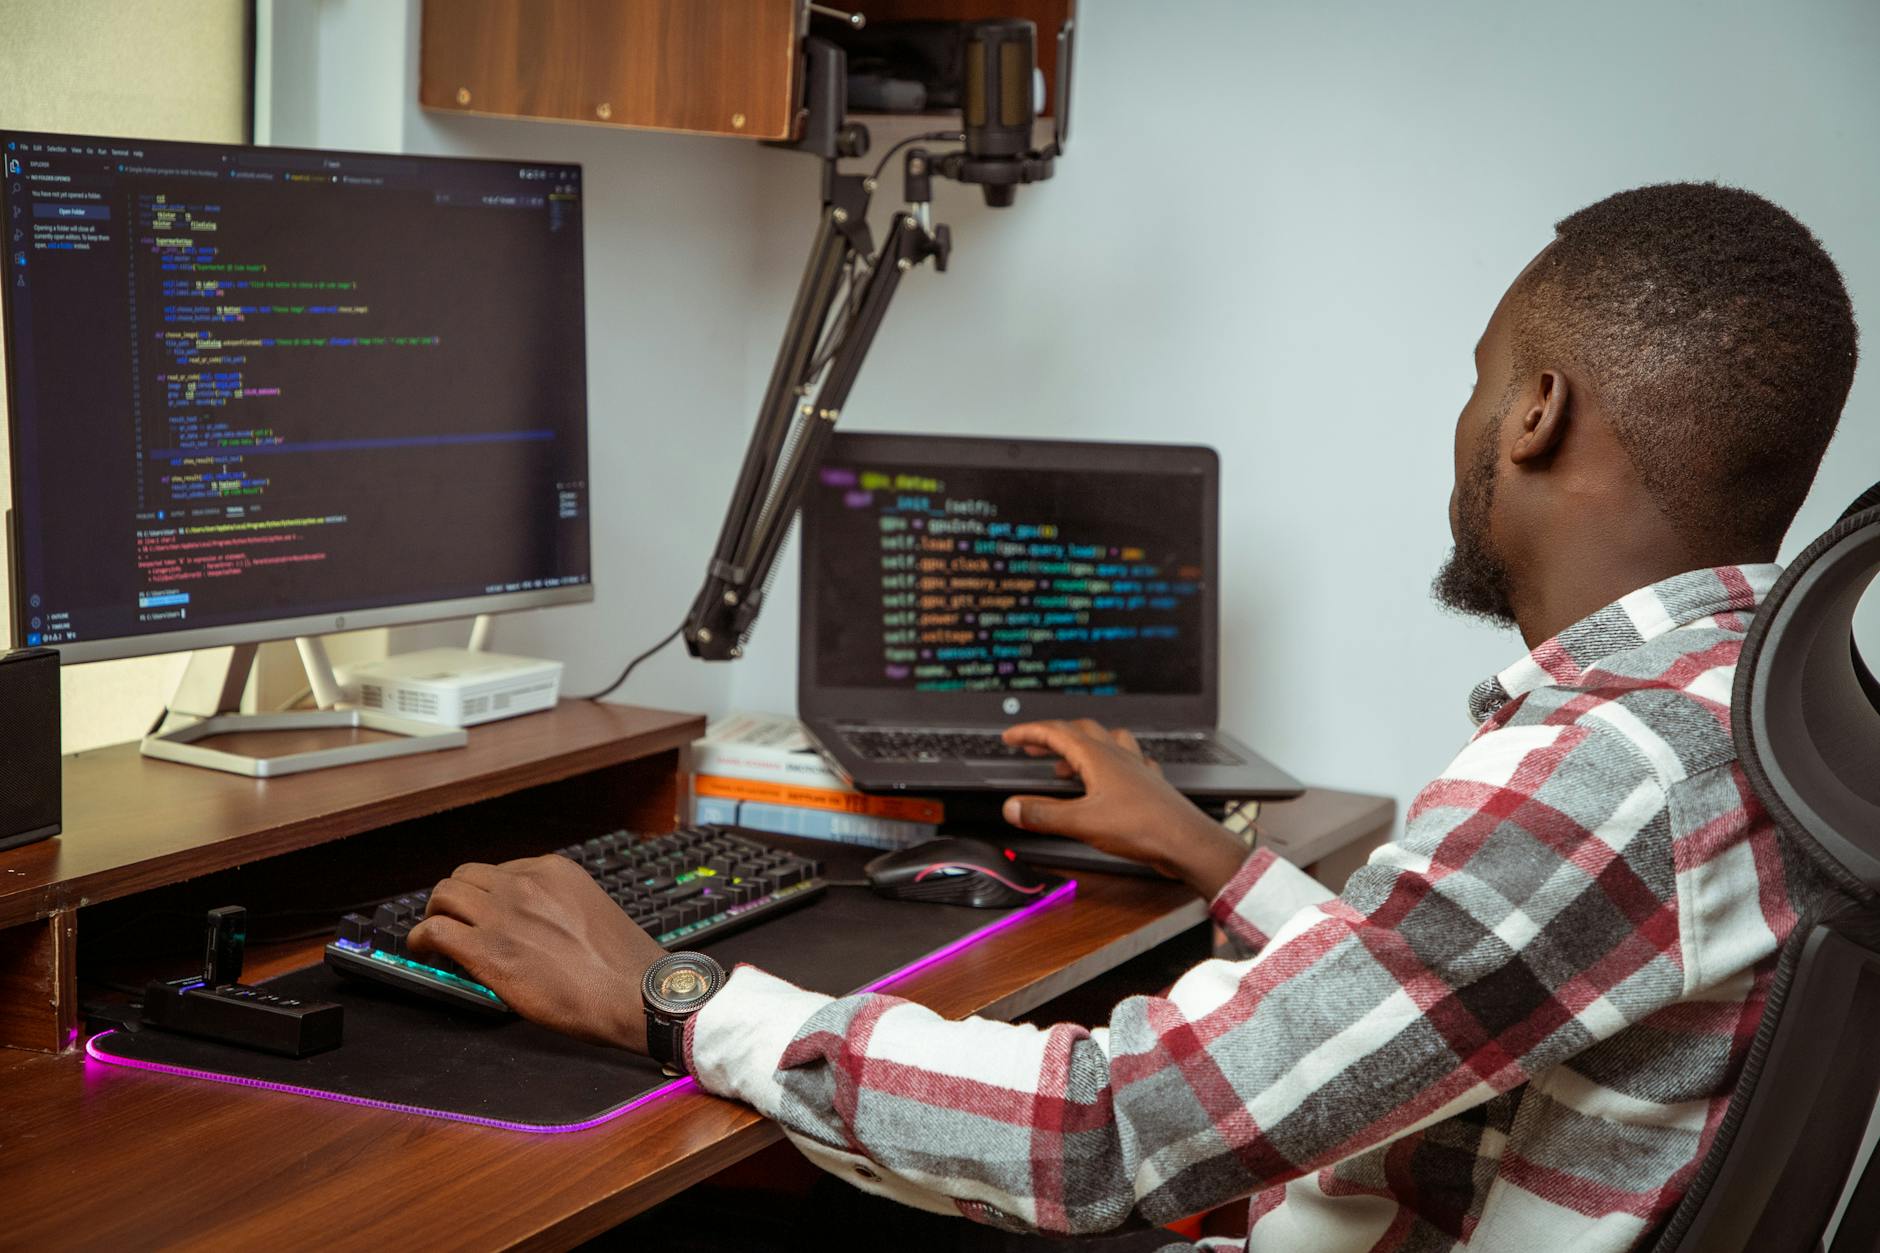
[(260, 393)]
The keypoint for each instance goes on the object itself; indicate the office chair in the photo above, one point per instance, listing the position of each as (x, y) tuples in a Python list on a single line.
[(1805, 714)]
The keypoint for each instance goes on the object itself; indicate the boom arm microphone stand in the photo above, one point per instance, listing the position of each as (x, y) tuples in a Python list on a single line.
[(844, 294)]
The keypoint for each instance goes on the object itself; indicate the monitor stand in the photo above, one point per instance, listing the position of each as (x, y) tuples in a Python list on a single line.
[(208, 704)]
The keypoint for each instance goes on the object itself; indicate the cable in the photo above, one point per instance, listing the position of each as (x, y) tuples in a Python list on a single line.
[(608, 690), (830, 342), (936, 136), (838, 328)]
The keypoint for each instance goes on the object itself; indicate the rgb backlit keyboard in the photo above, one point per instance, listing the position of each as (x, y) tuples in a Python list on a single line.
[(682, 889)]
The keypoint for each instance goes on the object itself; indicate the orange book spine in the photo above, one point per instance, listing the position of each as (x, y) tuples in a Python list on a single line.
[(903, 808)]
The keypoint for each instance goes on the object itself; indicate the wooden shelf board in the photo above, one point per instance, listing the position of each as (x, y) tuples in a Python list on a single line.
[(132, 823)]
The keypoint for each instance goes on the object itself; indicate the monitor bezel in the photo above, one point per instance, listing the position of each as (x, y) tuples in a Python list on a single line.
[(864, 704), (264, 630)]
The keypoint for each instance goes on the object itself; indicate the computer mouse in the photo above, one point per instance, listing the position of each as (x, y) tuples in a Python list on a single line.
[(958, 872)]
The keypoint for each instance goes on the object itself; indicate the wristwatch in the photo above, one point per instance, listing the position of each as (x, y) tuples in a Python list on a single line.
[(676, 987)]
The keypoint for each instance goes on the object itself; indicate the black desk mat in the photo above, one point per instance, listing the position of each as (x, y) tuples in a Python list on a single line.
[(404, 1054)]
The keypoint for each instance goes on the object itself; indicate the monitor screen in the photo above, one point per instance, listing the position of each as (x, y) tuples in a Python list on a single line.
[(261, 392), (938, 576)]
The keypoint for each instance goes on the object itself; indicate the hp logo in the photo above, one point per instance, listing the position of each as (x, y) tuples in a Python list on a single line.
[(1010, 706)]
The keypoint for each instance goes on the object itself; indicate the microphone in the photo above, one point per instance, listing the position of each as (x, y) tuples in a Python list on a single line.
[(997, 111)]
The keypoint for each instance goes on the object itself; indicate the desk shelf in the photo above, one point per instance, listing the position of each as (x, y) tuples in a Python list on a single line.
[(134, 825)]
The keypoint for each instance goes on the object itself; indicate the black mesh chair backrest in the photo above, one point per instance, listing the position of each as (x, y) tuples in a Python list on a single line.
[(1805, 714)]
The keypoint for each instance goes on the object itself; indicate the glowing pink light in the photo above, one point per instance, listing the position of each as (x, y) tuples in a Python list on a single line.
[(1062, 892)]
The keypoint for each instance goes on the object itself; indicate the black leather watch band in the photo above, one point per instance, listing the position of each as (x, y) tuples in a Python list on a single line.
[(675, 988), (665, 1041)]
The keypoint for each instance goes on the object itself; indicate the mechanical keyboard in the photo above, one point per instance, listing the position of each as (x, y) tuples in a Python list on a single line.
[(1187, 748), (690, 886)]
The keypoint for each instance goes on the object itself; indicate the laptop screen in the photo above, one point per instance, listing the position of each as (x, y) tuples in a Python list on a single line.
[(940, 566)]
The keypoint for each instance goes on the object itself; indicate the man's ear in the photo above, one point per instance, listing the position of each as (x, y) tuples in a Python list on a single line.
[(1544, 424)]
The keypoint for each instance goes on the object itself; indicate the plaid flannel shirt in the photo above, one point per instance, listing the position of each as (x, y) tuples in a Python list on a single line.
[(1517, 1028)]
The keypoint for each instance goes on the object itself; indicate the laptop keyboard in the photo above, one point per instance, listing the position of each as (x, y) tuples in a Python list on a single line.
[(899, 744)]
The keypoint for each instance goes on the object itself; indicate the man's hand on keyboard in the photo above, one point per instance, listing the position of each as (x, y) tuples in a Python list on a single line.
[(547, 939), (1127, 808)]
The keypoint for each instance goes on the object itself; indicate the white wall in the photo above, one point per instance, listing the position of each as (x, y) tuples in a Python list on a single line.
[(1279, 231), (96, 67), (671, 249), (671, 241)]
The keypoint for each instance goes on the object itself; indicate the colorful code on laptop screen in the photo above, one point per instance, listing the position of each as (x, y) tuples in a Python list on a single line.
[(952, 579)]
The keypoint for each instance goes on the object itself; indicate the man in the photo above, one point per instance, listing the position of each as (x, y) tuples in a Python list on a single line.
[(1519, 1024)]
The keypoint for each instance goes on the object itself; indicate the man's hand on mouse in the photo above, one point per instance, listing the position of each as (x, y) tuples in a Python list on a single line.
[(547, 939), (1127, 808)]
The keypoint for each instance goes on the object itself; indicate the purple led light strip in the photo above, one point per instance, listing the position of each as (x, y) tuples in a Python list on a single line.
[(1062, 892)]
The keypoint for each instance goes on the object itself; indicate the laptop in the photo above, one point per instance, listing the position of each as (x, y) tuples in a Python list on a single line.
[(953, 587)]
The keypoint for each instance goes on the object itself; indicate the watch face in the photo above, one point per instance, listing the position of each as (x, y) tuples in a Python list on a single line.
[(681, 982), (682, 985)]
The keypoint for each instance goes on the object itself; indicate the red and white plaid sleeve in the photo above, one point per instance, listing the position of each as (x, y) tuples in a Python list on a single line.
[(1454, 967), (1259, 899)]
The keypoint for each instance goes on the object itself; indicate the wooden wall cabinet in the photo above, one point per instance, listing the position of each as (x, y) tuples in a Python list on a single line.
[(713, 67)]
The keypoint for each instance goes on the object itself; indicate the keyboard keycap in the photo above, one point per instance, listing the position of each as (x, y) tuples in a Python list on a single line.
[(391, 938)]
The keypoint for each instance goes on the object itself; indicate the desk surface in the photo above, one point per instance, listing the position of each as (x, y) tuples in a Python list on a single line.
[(97, 1156), (103, 1157)]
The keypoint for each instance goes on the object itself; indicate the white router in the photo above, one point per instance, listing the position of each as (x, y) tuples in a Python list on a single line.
[(453, 687)]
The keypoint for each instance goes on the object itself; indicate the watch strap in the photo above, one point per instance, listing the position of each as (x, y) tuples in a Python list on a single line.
[(665, 1040)]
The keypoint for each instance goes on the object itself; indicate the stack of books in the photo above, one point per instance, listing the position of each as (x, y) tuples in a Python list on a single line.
[(759, 771)]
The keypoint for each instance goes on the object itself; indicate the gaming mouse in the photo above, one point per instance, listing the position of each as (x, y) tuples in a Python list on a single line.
[(957, 872)]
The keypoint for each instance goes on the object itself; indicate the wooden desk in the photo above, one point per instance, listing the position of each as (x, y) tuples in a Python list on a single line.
[(96, 1156)]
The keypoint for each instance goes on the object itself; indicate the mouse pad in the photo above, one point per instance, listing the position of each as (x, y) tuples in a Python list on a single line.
[(406, 1054)]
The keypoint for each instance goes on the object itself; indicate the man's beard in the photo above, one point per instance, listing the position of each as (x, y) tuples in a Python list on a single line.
[(1474, 581)]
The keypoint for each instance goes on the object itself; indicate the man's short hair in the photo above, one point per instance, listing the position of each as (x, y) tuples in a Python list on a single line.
[(1717, 336)]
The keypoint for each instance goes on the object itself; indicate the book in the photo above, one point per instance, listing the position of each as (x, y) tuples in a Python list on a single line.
[(825, 824), (768, 758), (759, 771), (763, 746), (714, 810), (847, 801)]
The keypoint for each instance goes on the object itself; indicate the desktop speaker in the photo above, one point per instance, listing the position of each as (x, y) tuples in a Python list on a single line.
[(29, 746)]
